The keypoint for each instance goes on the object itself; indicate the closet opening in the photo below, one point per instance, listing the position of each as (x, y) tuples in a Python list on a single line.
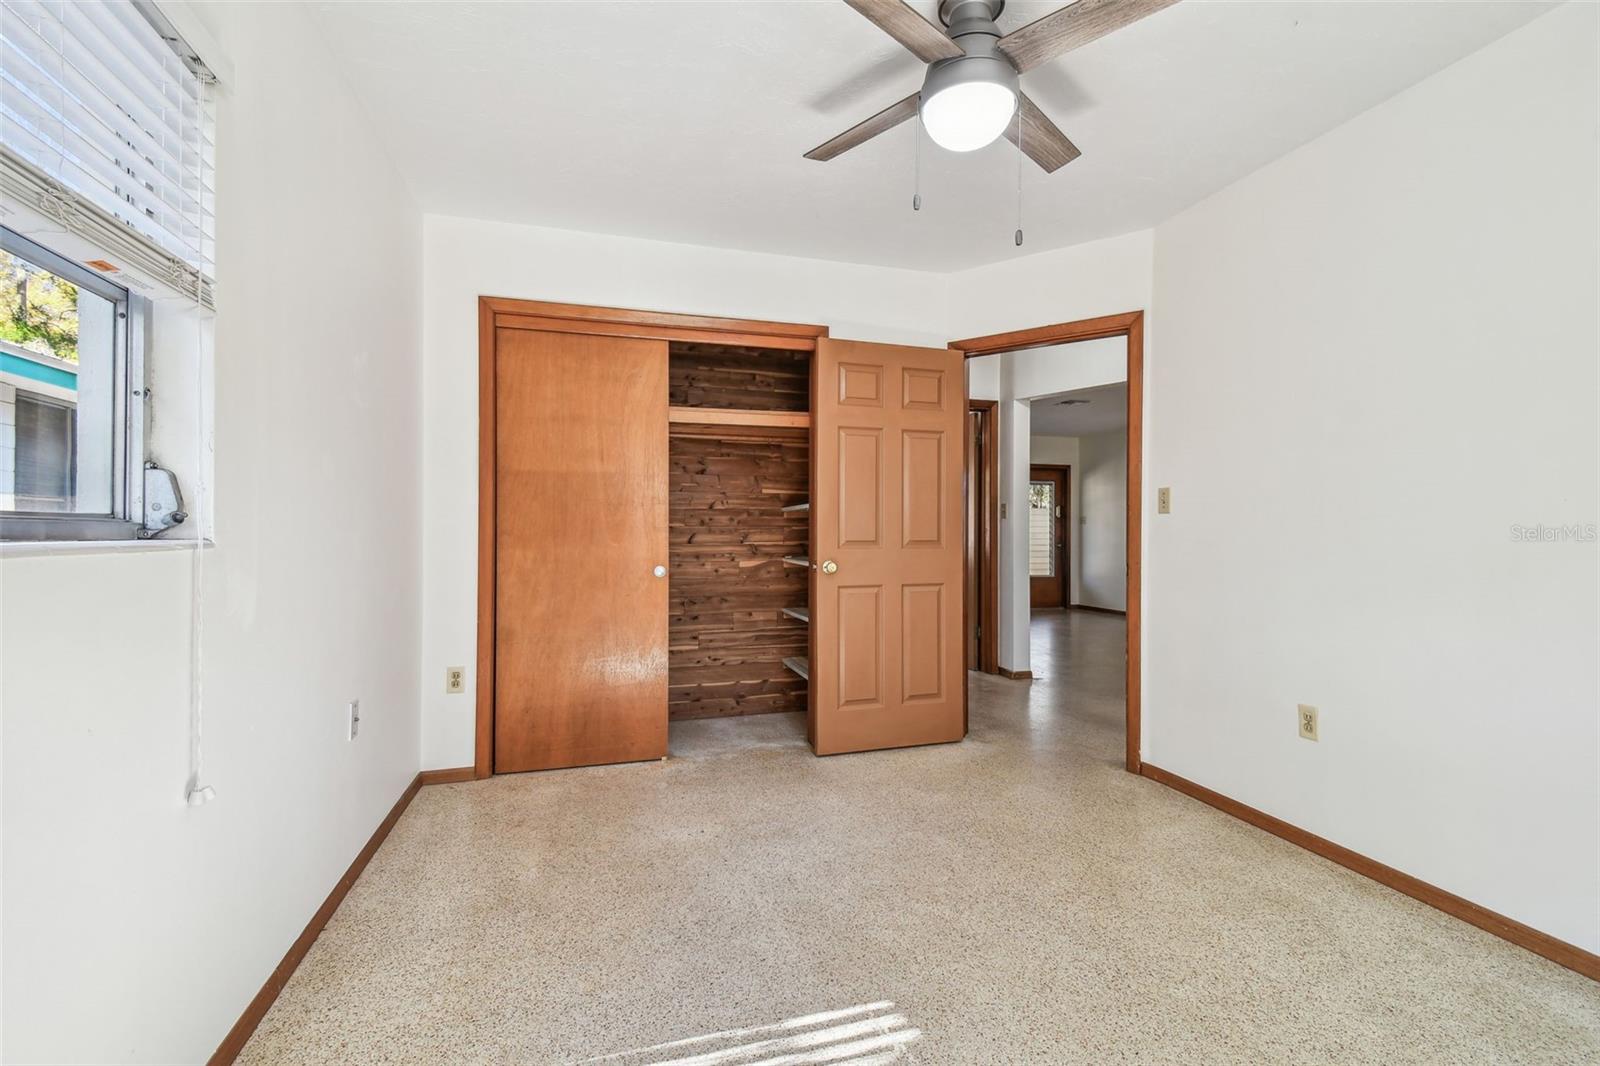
[(660, 499), (739, 522)]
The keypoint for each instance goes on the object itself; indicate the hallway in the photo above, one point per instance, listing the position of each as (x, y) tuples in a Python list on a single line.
[(1017, 897)]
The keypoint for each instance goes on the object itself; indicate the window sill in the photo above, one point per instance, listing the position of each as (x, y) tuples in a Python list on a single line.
[(22, 549)]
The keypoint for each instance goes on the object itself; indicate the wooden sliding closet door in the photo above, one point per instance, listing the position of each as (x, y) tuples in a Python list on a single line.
[(888, 662), (581, 524)]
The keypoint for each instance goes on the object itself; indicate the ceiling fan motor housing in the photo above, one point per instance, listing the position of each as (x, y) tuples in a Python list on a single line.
[(971, 16), (971, 25)]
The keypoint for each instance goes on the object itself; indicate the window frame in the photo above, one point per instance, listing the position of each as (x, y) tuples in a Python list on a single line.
[(125, 521)]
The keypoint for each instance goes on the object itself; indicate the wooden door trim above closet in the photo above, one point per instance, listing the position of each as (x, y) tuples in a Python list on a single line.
[(653, 325), (494, 313)]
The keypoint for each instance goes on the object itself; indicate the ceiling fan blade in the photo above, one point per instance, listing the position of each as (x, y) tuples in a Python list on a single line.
[(1073, 27), (1042, 141), (920, 37), (887, 119)]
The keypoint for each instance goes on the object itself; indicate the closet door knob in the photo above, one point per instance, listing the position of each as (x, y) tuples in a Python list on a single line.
[(829, 566), (660, 571)]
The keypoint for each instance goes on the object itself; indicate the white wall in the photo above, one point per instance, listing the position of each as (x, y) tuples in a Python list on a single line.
[(983, 377), (466, 258), (136, 929), (1376, 357), (1100, 551), (1064, 285), (1058, 451), (1060, 368)]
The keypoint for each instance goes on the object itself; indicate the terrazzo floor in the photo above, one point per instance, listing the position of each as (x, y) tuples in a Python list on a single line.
[(1014, 898)]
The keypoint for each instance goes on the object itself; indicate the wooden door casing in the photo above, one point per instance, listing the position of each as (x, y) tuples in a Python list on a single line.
[(983, 476), (972, 514), (888, 668), (581, 521)]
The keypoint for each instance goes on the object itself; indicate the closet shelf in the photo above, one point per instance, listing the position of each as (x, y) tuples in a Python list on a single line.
[(799, 506), (802, 613), (797, 560), (731, 416), (799, 665)]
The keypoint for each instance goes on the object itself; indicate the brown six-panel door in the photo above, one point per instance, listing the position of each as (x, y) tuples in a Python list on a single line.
[(581, 480), (888, 657)]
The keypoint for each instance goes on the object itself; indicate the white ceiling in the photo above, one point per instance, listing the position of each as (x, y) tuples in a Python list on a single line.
[(1105, 409), (687, 121)]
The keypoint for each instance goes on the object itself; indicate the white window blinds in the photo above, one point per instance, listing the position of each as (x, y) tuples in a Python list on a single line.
[(107, 128)]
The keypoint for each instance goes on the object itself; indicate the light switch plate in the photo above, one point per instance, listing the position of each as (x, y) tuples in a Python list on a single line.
[(1308, 721), (1164, 500)]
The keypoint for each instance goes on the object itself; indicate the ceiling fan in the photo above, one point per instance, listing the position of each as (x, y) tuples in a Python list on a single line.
[(970, 94)]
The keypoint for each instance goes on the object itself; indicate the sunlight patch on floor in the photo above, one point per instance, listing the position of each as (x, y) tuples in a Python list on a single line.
[(863, 1035)]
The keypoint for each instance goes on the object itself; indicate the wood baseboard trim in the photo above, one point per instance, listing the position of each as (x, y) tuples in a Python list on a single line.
[(448, 777), (1571, 956), (240, 1034), (1016, 675), (1098, 610)]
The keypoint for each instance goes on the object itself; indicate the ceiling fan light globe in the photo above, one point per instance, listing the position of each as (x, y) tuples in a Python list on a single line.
[(965, 117), (968, 101)]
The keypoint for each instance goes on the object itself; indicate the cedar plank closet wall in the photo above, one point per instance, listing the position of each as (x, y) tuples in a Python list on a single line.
[(729, 533)]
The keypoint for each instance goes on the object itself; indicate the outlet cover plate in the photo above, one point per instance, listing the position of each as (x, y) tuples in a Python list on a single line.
[(1308, 721), (455, 679)]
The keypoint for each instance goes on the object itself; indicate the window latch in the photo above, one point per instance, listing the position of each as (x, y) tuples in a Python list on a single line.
[(163, 503)]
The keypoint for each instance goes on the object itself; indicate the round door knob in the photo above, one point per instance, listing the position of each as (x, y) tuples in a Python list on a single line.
[(829, 566), (660, 571)]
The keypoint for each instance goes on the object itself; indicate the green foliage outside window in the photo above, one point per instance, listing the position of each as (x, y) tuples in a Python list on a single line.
[(38, 310)]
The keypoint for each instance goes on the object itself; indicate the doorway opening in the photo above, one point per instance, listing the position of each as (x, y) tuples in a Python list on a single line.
[(1010, 467)]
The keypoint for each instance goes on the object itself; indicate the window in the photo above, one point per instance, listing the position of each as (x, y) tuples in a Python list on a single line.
[(103, 102), (44, 464), (70, 398), (1041, 529), (106, 261)]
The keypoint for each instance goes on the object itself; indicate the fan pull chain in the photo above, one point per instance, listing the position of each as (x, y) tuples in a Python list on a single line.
[(1019, 174), (916, 167)]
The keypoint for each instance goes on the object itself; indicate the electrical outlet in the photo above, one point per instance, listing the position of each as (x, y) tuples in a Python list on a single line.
[(1163, 501), (1308, 721), (353, 712), (455, 679)]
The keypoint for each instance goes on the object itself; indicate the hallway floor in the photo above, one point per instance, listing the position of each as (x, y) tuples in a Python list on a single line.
[(1014, 898)]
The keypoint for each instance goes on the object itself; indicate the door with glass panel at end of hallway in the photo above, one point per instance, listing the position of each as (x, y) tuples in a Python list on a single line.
[(1049, 530)]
